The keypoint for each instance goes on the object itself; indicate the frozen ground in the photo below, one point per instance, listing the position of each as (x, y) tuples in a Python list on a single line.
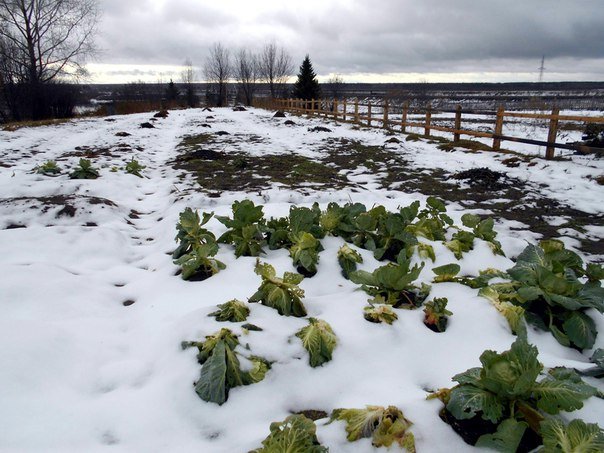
[(92, 314)]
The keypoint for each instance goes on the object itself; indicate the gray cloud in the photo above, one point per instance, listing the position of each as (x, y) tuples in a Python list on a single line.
[(360, 36)]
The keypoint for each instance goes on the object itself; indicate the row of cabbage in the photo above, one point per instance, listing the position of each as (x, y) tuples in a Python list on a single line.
[(509, 401)]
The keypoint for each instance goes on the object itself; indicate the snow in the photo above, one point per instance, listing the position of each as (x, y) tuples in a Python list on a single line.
[(80, 371)]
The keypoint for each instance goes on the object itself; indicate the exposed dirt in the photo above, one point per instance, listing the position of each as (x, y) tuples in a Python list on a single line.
[(471, 429), (218, 170), (484, 178), (66, 202), (312, 414), (319, 129), (89, 152)]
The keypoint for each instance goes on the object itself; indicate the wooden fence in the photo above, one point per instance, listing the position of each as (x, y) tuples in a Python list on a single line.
[(379, 115)]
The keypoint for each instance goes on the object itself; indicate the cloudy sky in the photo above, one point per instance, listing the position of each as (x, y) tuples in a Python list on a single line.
[(362, 40)]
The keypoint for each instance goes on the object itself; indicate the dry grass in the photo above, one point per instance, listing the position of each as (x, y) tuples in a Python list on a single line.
[(11, 127)]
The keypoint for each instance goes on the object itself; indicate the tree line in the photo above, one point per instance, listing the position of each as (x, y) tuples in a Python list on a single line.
[(272, 65), (44, 45)]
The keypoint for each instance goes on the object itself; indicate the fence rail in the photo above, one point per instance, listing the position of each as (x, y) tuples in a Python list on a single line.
[(379, 115)]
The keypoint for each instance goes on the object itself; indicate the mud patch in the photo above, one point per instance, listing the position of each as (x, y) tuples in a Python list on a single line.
[(484, 178), (89, 152), (49, 209), (312, 414)]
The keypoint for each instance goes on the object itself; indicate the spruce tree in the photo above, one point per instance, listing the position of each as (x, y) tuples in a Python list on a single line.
[(171, 91), (307, 87)]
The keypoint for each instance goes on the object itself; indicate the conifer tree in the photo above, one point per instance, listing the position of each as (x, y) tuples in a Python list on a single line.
[(307, 87), (171, 91)]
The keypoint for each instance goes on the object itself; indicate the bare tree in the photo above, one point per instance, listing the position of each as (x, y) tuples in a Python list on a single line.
[(275, 67), (218, 71), (47, 40), (335, 86), (246, 73), (188, 77)]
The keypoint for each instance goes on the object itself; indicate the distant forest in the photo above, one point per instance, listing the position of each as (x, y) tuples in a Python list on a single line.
[(475, 96)]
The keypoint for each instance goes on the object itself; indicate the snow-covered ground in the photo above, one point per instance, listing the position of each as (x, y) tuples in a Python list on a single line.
[(92, 314)]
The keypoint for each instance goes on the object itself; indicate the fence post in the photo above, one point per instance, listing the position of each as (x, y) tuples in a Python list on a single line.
[(335, 109), (356, 110), (553, 131), (312, 107), (385, 120), (498, 128), (428, 119), (456, 135), (404, 117), (369, 114), (344, 113)]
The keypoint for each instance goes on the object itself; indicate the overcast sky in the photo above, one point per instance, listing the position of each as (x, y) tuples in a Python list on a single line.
[(363, 40)]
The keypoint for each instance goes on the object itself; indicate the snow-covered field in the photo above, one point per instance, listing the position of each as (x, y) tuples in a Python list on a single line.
[(92, 314)]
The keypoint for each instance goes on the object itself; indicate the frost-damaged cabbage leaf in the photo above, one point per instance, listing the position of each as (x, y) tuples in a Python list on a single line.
[(348, 259), (546, 285), (307, 220), (199, 261), (576, 437), (448, 273), (597, 371), (432, 222), (282, 294), (506, 387), (221, 367), (512, 313), (359, 226), (392, 238), (277, 233), (134, 168), (251, 328), (385, 426), (331, 218), (380, 313), (48, 168), (305, 253), (341, 221), (245, 229), (507, 437), (85, 170), (392, 284), (296, 434), (190, 231), (463, 241), (426, 251), (594, 272), (436, 314), (233, 311), (319, 340)]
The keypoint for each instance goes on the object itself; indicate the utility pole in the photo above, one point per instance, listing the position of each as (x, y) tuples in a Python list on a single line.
[(542, 69)]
